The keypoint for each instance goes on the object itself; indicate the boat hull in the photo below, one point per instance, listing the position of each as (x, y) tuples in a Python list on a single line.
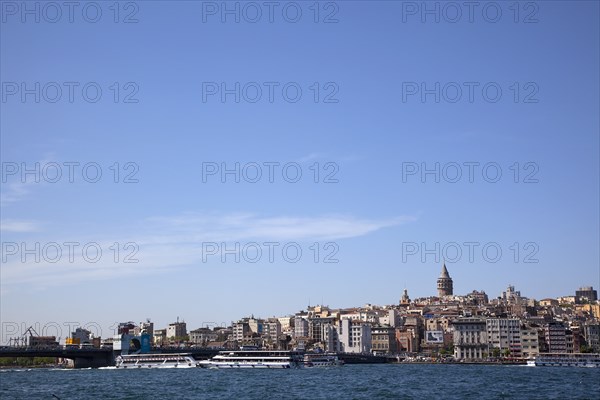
[(322, 361), (254, 359), (155, 366), (155, 361), (586, 360), (222, 365)]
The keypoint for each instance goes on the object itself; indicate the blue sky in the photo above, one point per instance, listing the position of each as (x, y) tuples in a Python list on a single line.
[(366, 61)]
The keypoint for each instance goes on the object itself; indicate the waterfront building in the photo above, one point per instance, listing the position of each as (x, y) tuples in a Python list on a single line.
[(407, 339), (542, 343), (434, 341), (331, 339), (470, 339), (413, 328), (555, 335), (570, 341), (354, 336), (383, 339), (317, 327), (504, 334), (530, 347), (444, 283), (591, 333)]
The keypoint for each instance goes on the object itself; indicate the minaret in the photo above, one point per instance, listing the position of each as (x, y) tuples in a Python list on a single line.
[(444, 283)]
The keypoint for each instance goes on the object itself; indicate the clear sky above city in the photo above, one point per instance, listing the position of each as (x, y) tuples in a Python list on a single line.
[(340, 151)]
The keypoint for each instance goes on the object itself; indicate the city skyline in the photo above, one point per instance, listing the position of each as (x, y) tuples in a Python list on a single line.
[(107, 328)]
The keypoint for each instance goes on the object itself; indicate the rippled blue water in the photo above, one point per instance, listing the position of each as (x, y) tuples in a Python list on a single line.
[(390, 381)]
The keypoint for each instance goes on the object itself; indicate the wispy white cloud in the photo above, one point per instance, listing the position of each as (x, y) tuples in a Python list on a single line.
[(250, 226), (13, 192), (18, 185), (310, 157), (19, 226), (169, 242)]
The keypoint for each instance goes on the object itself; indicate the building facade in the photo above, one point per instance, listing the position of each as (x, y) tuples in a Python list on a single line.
[(272, 328), (240, 330), (556, 337), (176, 330), (300, 327), (147, 327), (586, 294), (383, 339), (504, 334), (530, 346), (407, 339), (591, 333), (202, 336), (160, 337), (470, 339), (354, 336)]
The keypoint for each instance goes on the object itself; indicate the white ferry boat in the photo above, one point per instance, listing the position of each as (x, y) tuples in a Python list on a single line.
[(566, 360), (273, 359), (322, 360), (161, 360)]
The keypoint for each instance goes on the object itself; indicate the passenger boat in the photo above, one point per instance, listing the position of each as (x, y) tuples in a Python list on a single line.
[(159, 360), (566, 360), (322, 360), (273, 359)]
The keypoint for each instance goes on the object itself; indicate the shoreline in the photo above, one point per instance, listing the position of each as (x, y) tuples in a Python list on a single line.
[(28, 367)]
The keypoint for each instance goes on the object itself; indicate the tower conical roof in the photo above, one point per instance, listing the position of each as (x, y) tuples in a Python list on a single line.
[(444, 273)]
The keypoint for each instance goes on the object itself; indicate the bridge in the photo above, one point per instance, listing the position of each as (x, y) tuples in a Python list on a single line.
[(94, 357), (82, 358)]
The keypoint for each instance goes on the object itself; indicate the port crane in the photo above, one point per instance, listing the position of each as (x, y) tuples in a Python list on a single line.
[(22, 341)]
